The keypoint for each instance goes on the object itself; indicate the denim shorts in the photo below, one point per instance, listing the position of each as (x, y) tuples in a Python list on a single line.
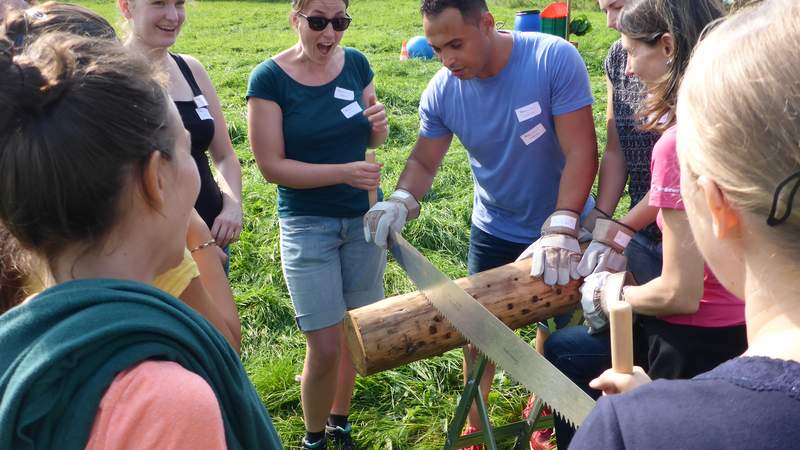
[(329, 268)]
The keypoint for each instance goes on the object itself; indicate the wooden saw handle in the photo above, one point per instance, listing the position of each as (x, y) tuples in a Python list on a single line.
[(620, 316), (373, 194)]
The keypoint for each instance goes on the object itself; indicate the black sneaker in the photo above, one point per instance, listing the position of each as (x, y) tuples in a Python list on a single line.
[(340, 437), (321, 444)]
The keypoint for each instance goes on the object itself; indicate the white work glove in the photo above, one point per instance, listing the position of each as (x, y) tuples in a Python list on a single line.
[(557, 253), (606, 252), (597, 292), (389, 215)]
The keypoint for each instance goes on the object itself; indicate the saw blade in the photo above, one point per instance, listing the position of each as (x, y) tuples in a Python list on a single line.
[(491, 336)]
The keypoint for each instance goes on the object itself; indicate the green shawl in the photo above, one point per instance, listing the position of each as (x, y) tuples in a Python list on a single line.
[(60, 352)]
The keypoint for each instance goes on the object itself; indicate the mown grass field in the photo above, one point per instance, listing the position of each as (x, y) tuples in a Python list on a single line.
[(407, 408)]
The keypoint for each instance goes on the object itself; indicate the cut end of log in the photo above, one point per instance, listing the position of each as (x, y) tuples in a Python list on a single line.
[(355, 345)]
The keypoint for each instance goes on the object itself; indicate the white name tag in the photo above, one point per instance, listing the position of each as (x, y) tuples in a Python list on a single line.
[(622, 239), (344, 94), (351, 110), (200, 101), (534, 134), (563, 221), (203, 114), (528, 112)]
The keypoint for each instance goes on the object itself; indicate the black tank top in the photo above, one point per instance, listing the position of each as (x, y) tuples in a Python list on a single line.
[(198, 122)]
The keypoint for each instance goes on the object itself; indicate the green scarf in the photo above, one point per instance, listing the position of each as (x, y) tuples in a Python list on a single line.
[(61, 351)]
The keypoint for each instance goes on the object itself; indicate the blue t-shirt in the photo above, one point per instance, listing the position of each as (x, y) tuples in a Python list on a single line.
[(745, 403), (506, 124), (317, 129)]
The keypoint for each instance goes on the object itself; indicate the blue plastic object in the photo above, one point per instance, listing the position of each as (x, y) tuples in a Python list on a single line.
[(528, 21), (418, 47)]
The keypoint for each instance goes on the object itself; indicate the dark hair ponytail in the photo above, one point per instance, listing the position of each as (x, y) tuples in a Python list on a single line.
[(79, 117)]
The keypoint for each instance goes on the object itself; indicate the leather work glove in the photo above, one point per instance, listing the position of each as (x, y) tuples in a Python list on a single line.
[(597, 292), (606, 252), (591, 218), (557, 253), (390, 214)]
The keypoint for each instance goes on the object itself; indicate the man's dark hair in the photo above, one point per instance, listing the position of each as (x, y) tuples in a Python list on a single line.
[(470, 10)]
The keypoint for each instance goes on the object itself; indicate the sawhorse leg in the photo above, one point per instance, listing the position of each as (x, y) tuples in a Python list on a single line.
[(489, 435)]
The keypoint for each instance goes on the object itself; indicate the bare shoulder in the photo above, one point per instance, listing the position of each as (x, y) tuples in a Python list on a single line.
[(197, 68)]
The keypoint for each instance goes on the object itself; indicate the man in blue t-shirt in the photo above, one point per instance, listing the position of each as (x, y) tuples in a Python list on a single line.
[(520, 103)]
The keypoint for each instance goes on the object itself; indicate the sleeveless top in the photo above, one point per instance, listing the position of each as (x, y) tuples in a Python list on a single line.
[(198, 122), (637, 145)]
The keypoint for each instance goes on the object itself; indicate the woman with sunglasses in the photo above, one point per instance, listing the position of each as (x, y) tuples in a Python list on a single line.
[(739, 173), (312, 113), (154, 28)]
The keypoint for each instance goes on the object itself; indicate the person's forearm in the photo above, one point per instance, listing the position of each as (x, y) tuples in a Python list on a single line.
[(613, 175), (416, 178), (300, 175), (641, 215), (576, 180), (231, 180), (660, 297)]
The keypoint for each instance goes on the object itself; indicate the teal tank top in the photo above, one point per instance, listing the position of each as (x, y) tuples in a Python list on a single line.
[(321, 125)]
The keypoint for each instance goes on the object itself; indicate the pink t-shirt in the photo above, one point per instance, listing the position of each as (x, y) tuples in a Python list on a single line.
[(158, 405), (718, 307)]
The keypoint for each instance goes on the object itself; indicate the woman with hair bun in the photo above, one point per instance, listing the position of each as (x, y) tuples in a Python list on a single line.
[(739, 175), (199, 279), (102, 360)]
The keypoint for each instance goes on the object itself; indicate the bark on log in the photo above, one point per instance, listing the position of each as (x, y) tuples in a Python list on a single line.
[(406, 328)]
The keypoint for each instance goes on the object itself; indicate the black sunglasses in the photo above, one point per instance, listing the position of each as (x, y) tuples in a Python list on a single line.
[(319, 23)]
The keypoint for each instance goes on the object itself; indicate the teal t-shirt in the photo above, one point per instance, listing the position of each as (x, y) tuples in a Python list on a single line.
[(321, 125)]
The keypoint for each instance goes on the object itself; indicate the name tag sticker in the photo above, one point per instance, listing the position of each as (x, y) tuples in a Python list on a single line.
[(203, 114), (563, 222), (534, 134), (528, 112), (622, 239), (351, 110), (344, 94), (200, 101)]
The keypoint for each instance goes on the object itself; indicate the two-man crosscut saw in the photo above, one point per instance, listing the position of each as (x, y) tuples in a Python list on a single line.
[(491, 336)]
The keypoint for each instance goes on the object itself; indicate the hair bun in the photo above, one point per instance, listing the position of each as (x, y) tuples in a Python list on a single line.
[(33, 82)]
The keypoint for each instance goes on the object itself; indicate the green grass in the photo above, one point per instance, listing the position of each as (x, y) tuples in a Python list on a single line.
[(398, 409)]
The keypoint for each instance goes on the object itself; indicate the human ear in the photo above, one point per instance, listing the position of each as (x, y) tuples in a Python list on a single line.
[(487, 22), (727, 223), (667, 45), (125, 8), (153, 185)]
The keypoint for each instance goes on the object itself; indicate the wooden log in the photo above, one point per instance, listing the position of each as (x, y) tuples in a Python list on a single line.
[(406, 328)]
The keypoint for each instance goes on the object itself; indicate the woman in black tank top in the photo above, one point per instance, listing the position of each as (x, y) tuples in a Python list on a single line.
[(154, 30)]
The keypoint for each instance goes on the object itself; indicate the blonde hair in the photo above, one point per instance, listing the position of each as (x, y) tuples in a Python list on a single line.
[(299, 5), (741, 93)]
